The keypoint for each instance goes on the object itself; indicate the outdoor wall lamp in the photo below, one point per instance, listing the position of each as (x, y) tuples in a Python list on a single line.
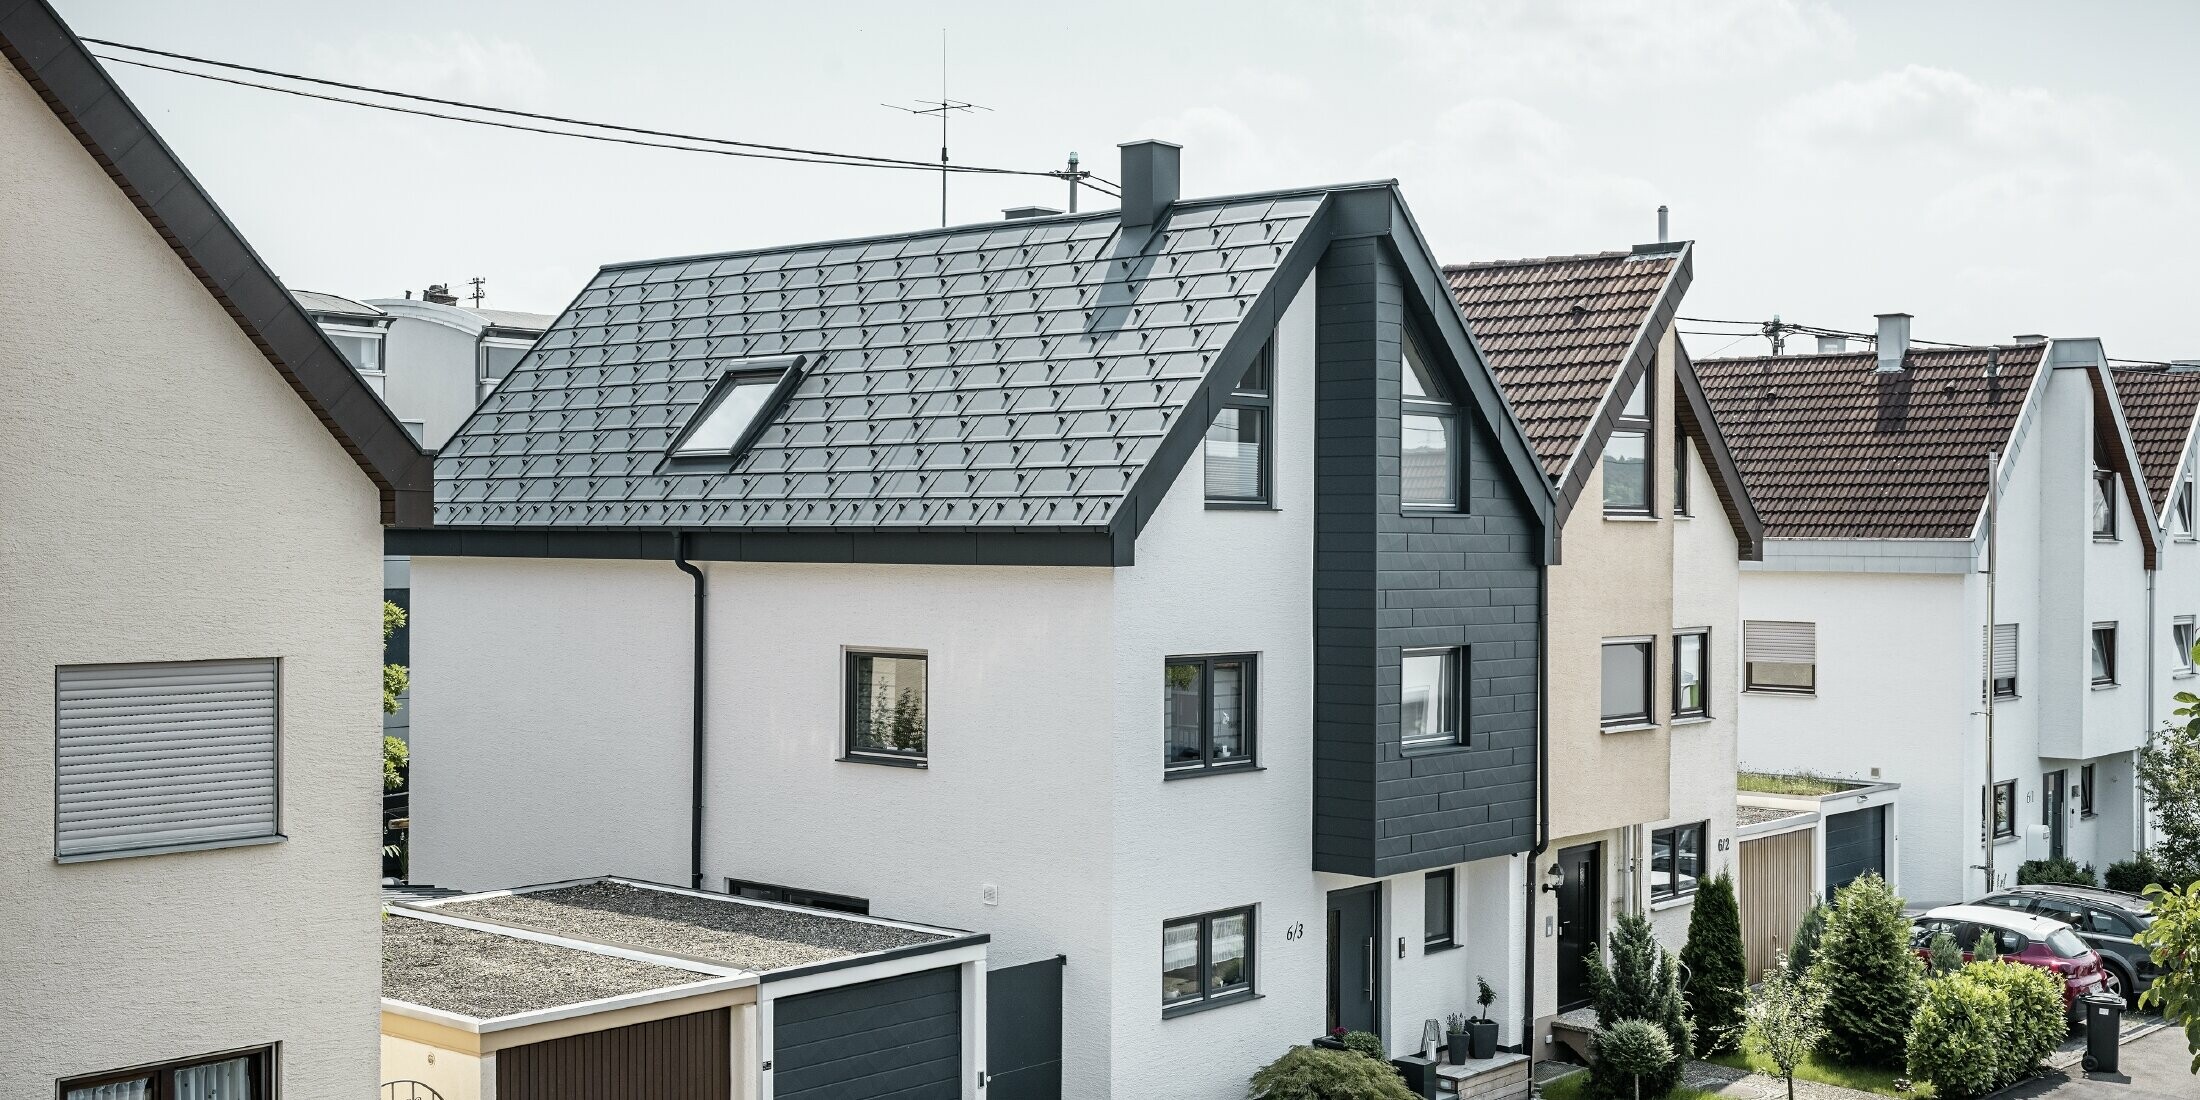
[(1554, 877)]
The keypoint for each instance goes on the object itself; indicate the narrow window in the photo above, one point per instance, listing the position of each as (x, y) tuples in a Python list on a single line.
[(1627, 681), (1627, 456), (2085, 791), (2001, 660), (1429, 697), (1439, 903), (1428, 436), (2183, 637), (2104, 505), (1692, 674), (732, 413), (1780, 657), (236, 1076), (2004, 809), (1206, 960), (1238, 456), (1676, 860), (788, 895), (1683, 449), (887, 708), (1207, 712), (2104, 653), (2180, 509)]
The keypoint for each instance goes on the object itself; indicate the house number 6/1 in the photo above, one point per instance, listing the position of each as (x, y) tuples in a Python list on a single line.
[(1295, 932)]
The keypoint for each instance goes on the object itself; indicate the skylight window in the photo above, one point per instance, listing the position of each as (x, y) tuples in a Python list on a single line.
[(735, 410)]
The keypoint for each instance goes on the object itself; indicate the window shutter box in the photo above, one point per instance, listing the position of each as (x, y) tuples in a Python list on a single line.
[(1784, 643), (155, 756)]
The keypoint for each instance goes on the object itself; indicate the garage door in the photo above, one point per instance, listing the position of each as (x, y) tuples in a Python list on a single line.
[(892, 1039), (1856, 842), (684, 1056)]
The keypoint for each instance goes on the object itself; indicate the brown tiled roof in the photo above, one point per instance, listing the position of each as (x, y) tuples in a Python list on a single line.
[(1831, 449), (2159, 406), (1557, 331)]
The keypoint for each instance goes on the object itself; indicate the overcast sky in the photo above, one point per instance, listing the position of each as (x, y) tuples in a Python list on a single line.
[(1993, 168)]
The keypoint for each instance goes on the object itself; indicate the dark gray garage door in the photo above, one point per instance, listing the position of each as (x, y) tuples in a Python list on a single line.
[(1856, 842), (892, 1039)]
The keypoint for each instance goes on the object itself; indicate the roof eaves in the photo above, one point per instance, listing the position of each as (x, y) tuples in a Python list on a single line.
[(2109, 411), (1702, 423)]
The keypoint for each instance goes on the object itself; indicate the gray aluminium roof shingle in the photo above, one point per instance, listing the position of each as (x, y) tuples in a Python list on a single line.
[(1008, 375)]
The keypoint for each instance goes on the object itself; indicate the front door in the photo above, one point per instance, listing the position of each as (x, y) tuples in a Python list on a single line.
[(1354, 917), (1580, 906), (2051, 812)]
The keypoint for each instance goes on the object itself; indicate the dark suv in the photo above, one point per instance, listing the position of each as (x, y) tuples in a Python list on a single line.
[(2105, 919)]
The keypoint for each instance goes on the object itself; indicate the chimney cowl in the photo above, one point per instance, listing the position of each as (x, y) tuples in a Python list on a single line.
[(1894, 341), (1019, 213), (1151, 176), (439, 294), (1833, 345)]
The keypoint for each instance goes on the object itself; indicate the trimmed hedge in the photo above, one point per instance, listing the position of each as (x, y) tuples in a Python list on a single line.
[(2061, 870), (1986, 1026)]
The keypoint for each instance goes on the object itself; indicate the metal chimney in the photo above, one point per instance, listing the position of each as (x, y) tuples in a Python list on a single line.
[(1894, 341), (1662, 238), (1833, 345), (1150, 181)]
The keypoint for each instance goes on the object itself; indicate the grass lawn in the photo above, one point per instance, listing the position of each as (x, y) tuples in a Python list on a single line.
[(1769, 783), (1569, 1088), (1866, 1078)]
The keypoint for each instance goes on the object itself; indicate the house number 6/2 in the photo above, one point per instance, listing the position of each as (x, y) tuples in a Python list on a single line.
[(1295, 932)]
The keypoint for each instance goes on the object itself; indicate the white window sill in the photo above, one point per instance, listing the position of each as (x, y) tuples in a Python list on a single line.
[(1631, 727), (2106, 686), (1672, 903), (2184, 674), (1697, 720), (1614, 517)]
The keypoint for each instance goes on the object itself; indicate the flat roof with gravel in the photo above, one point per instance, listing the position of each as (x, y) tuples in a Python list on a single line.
[(725, 931), (484, 974), (1758, 815)]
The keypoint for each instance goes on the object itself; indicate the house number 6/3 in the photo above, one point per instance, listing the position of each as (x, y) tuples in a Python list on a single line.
[(1295, 932)]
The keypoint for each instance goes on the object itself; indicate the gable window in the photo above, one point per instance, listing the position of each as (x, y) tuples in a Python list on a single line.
[(1676, 860), (1207, 712), (887, 708), (1206, 960), (166, 757), (1439, 907), (2182, 638), (2003, 812), (2104, 654), (497, 357), (2180, 510), (2104, 505), (788, 895), (1429, 710), (2001, 659), (1428, 435), (1627, 681), (1627, 456), (362, 348), (732, 414), (2085, 791), (240, 1075), (1780, 657), (1238, 457), (1692, 674)]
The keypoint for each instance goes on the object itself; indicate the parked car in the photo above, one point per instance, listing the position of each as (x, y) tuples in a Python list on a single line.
[(2021, 937), (2106, 919)]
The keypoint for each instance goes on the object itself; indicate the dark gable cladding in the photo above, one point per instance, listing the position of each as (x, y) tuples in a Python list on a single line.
[(1386, 579), (81, 94)]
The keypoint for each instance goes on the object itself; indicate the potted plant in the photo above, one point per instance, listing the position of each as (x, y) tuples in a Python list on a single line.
[(1482, 1031), (1456, 1039), (1332, 1041)]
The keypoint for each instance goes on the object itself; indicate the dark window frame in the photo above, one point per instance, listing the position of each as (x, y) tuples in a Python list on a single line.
[(2184, 633), (1998, 827), (1259, 401), (1750, 683), (1249, 709), (1209, 997), (1670, 889), (903, 758), (755, 890), (2108, 653), (1449, 892), (1648, 716), (2104, 489), (163, 1074), (2085, 791), (1644, 426), (1454, 707), (785, 372), (1683, 501), (1703, 673), (1442, 408)]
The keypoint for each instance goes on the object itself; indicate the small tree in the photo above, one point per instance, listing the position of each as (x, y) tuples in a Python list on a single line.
[(2174, 941), (396, 758), (2169, 777), (1636, 1048), (1808, 932), (1784, 1021), (1872, 978), (1717, 967), (1484, 996), (1310, 1073), (1945, 957), (1641, 983)]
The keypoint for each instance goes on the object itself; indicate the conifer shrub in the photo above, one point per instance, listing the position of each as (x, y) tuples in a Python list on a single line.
[(1873, 980), (1633, 1049), (1717, 968), (1640, 983), (1310, 1073), (1804, 949)]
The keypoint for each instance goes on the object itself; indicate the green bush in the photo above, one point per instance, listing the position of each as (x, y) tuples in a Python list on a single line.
[(2134, 875), (1808, 932), (1635, 1049), (1955, 1038), (1945, 956), (2059, 870), (2037, 1021), (1310, 1073), (1367, 1043), (1641, 983), (1872, 978), (1717, 968), (396, 763)]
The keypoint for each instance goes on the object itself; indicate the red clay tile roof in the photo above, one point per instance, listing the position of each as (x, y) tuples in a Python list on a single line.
[(1831, 449), (2159, 406), (1556, 331)]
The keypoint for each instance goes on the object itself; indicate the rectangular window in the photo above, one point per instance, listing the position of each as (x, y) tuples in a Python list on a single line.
[(1428, 435), (1429, 697), (360, 347), (2004, 809), (1780, 657), (2001, 660), (1207, 712), (2085, 791), (1682, 450), (241, 1075), (2104, 504), (734, 411), (2180, 509), (887, 708), (2104, 653), (160, 757), (1439, 902), (1237, 453), (1627, 681), (2182, 638), (499, 354), (1206, 959), (788, 895), (1692, 674), (1627, 456), (1676, 860)]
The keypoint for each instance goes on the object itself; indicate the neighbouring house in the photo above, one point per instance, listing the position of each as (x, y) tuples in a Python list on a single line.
[(195, 495), (1867, 653), (1198, 533), (607, 988), (1792, 832), (1653, 523)]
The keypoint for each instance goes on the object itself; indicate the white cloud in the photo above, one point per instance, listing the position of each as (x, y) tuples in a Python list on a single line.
[(1509, 43), (452, 65)]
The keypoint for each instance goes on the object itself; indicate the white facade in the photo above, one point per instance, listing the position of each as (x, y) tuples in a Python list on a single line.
[(152, 520)]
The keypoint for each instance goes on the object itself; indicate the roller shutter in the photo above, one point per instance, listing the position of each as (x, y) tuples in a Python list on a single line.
[(1780, 643), (898, 1038), (1856, 843)]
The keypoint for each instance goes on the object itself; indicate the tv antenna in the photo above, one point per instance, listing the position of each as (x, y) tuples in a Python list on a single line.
[(477, 295), (943, 107)]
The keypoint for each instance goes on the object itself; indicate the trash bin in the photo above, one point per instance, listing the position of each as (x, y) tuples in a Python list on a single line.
[(2104, 1026)]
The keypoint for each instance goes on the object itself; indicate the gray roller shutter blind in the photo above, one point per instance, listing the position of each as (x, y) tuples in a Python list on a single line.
[(156, 756), (2001, 655), (1786, 643)]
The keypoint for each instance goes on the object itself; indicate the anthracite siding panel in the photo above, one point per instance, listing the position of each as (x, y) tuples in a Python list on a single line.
[(1385, 580), (890, 1039)]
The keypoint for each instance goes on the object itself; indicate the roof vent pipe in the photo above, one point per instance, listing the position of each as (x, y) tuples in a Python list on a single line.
[(1150, 181), (1662, 238), (1833, 345), (1894, 341)]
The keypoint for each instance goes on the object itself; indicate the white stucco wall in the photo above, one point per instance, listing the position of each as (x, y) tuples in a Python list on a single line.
[(169, 497)]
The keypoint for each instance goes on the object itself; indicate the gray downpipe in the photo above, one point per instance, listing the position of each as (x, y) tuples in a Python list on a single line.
[(1542, 805), (695, 763)]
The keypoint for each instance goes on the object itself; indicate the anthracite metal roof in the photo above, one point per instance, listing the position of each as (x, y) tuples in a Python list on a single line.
[(1017, 374)]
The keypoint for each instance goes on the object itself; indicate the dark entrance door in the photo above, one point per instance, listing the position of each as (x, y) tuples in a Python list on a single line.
[(1354, 915), (1580, 924), (2052, 793)]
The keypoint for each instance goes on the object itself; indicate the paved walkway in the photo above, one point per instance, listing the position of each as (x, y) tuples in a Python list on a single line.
[(2154, 1067), (1740, 1084)]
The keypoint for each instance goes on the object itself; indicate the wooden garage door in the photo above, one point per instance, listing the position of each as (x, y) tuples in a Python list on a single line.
[(892, 1039), (678, 1058), (1856, 843), (1778, 876)]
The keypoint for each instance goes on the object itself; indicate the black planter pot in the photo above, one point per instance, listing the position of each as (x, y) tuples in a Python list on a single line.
[(1456, 1045), (1482, 1038), (1328, 1042)]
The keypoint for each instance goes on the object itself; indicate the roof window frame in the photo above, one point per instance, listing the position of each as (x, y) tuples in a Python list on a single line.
[(731, 376)]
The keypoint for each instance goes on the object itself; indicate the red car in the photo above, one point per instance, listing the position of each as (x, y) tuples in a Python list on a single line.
[(2021, 937)]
